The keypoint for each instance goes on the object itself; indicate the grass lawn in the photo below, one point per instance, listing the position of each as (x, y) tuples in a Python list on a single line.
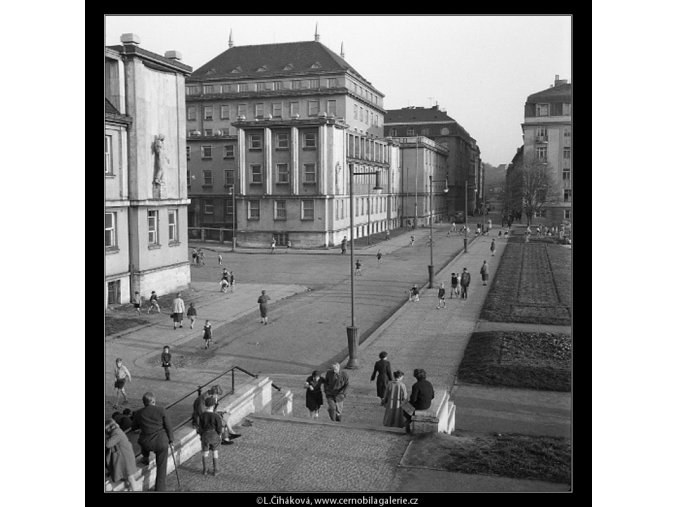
[(540, 361), (506, 455)]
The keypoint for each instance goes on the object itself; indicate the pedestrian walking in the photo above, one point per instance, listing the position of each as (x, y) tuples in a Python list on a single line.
[(210, 429), (378, 256), (313, 387), (382, 374), (272, 246), (484, 271), (263, 306), (154, 302), (499, 233), (440, 296), (224, 283), (201, 257), (220, 257), (336, 383), (120, 460), (358, 267), (388, 235), (422, 394), (411, 240), (288, 244), (465, 282), (231, 280), (207, 334), (414, 293), (344, 241), (137, 302), (178, 308), (396, 394), (122, 376), (195, 259), (192, 314), (156, 436), (493, 246), (166, 359), (454, 286)]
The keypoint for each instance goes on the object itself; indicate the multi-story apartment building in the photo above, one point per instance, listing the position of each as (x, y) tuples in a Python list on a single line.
[(282, 123), (146, 198), (423, 158), (547, 133), (463, 162)]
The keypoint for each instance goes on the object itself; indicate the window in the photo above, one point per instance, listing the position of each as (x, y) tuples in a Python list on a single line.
[(567, 194), (114, 292), (256, 176), (243, 87), (260, 87), (313, 83), (566, 153), (280, 210), (282, 140), (192, 90), (282, 173), (542, 153), (309, 140), (410, 132), (209, 88), (152, 227), (331, 107), (277, 109), (313, 107), (354, 111), (309, 175), (188, 177), (255, 141), (229, 177), (206, 150), (208, 132), (110, 234), (207, 177), (258, 110), (567, 132), (228, 206), (293, 108), (566, 109), (225, 112), (107, 154), (567, 214), (296, 85), (541, 134), (425, 132), (172, 216), (228, 151), (208, 206), (277, 85), (187, 152), (361, 114), (191, 114), (242, 109), (307, 209), (541, 109), (254, 210), (393, 132), (331, 82), (209, 113), (566, 177)]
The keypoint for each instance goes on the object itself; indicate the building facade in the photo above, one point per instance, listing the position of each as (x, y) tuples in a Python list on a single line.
[(463, 165), (146, 198), (282, 124), (547, 133)]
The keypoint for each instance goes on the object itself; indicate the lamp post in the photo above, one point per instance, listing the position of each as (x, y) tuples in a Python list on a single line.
[(465, 216), (431, 268), (351, 330), (231, 192)]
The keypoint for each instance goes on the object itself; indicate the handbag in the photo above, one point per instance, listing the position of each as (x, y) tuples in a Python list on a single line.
[(408, 408)]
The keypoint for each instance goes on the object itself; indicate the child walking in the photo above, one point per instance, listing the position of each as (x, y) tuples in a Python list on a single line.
[(192, 314), (137, 302), (154, 303), (122, 376), (454, 286), (207, 335), (440, 295), (166, 359), (220, 260)]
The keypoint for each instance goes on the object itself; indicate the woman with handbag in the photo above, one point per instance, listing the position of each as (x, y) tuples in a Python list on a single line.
[(120, 459), (396, 394)]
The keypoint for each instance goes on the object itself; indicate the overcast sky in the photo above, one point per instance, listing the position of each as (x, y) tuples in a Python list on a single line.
[(479, 68)]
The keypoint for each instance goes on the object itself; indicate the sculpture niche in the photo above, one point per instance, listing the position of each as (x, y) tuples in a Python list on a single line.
[(161, 159)]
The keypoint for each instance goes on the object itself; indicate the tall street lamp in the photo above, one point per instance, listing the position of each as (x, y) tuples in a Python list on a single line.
[(231, 192), (351, 330), (465, 216), (431, 268)]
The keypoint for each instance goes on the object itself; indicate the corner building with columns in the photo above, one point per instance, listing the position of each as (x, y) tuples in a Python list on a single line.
[(283, 124)]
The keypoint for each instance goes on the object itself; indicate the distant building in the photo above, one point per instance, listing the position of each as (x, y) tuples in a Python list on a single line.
[(145, 239), (463, 164), (281, 123), (547, 133)]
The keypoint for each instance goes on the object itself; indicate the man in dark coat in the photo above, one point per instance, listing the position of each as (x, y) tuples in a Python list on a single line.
[(422, 394), (156, 435), (465, 282), (335, 389), (385, 375)]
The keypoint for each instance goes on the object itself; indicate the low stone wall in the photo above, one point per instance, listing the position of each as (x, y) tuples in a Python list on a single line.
[(439, 418), (251, 397)]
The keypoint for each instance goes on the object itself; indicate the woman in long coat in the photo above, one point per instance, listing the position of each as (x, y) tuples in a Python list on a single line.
[(313, 387), (120, 458), (396, 394), (382, 369)]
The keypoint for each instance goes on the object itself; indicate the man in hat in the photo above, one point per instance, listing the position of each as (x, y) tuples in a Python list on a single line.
[(156, 435), (335, 389)]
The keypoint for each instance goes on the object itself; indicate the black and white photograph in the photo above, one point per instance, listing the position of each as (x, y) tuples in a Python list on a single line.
[(338, 253)]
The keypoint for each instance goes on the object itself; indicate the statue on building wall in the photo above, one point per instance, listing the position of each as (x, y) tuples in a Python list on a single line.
[(161, 159), (339, 178)]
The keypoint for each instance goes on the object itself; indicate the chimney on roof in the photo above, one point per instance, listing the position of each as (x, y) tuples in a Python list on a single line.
[(130, 38), (173, 55), (230, 39), (342, 53), (559, 81), (317, 35)]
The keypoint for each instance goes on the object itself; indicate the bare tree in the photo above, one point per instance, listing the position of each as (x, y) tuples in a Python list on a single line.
[(537, 186)]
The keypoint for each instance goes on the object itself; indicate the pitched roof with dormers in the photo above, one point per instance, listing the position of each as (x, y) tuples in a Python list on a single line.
[(559, 93), (421, 115), (273, 60)]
